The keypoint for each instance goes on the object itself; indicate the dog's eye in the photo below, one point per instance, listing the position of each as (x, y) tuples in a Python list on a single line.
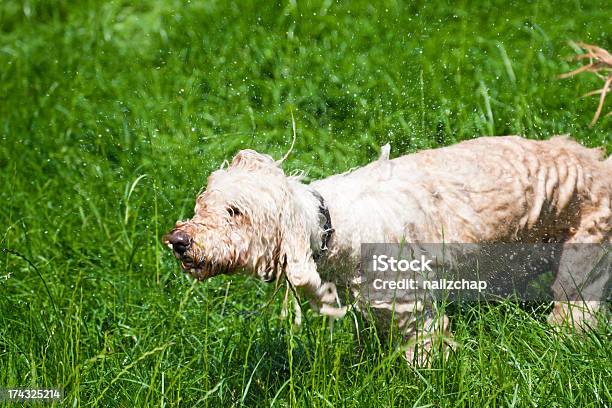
[(233, 211)]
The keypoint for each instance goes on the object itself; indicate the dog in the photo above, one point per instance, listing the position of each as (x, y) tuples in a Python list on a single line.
[(254, 218)]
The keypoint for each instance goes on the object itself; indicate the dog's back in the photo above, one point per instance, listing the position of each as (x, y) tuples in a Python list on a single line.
[(487, 189)]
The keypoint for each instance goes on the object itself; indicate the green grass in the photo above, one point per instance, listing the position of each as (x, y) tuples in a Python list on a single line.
[(112, 115)]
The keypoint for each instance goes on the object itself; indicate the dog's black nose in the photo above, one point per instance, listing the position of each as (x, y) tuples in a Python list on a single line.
[(180, 241)]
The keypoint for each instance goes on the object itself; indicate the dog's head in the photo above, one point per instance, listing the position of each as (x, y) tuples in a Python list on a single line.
[(246, 219)]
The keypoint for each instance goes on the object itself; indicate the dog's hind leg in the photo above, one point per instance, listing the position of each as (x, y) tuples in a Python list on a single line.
[(584, 273), (431, 339)]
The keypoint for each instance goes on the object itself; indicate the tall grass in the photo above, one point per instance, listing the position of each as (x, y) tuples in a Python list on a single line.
[(113, 114)]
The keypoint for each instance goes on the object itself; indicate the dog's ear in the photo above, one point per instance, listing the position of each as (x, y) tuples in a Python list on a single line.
[(300, 268), (251, 160), (301, 272)]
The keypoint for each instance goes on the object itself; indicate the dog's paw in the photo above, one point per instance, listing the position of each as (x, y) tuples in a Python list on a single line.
[(333, 311)]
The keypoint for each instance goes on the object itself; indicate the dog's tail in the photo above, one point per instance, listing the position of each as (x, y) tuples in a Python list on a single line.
[(594, 154)]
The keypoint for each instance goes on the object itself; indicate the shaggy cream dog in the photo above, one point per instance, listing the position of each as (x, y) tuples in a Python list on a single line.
[(253, 217)]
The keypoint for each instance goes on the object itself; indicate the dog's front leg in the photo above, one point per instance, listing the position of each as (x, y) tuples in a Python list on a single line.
[(322, 296)]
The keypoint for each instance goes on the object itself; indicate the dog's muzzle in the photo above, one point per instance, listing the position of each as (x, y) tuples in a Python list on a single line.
[(179, 241)]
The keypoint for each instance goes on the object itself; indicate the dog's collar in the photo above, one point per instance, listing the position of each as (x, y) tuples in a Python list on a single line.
[(328, 230)]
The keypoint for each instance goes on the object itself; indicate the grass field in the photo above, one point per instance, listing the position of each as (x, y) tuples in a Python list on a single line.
[(112, 114)]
